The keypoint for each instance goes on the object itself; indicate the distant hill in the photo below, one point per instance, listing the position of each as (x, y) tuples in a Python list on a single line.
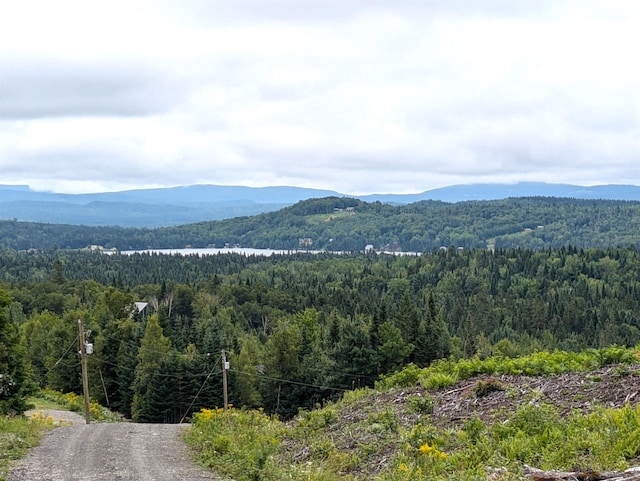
[(197, 203), (348, 224)]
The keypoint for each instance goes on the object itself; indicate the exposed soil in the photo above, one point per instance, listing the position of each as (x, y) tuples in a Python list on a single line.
[(613, 386)]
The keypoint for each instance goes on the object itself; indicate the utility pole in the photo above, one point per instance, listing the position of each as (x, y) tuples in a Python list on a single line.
[(85, 377), (225, 366)]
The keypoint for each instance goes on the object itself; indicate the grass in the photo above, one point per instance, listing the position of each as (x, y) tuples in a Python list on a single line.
[(324, 218), (17, 435), (387, 434), (41, 403), (235, 443), (73, 402)]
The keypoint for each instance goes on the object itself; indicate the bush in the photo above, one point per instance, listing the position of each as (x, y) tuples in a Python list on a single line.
[(445, 372), (484, 388), (422, 404)]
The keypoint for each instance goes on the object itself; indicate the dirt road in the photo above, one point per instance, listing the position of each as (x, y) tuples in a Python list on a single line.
[(109, 452)]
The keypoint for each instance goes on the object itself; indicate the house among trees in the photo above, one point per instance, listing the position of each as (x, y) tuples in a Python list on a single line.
[(140, 308)]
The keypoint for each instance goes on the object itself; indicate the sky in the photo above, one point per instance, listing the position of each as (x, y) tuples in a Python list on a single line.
[(355, 96)]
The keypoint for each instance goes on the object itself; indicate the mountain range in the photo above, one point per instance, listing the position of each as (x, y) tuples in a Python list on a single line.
[(188, 204)]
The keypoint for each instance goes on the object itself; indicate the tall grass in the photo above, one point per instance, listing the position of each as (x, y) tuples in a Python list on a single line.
[(235, 443), (607, 439), (17, 435)]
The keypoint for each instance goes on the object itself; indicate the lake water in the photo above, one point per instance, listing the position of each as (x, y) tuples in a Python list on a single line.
[(246, 251)]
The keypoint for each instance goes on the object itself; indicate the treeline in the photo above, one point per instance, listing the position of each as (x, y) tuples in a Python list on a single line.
[(300, 329), (344, 224)]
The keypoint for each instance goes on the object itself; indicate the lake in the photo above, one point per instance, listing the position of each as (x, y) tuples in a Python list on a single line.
[(246, 251)]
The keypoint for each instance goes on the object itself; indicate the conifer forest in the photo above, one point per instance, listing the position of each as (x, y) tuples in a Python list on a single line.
[(296, 329)]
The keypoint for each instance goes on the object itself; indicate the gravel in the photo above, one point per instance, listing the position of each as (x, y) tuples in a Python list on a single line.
[(111, 451)]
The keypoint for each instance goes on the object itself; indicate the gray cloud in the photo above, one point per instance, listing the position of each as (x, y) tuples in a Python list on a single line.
[(58, 89), (359, 96)]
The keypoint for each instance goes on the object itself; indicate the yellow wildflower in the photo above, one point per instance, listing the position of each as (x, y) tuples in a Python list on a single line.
[(426, 449)]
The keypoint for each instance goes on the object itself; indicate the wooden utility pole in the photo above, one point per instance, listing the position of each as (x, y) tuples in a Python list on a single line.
[(85, 377), (224, 381)]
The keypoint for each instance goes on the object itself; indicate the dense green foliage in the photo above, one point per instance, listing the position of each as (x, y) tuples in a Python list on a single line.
[(300, 329), (337, 224), (15, 384)]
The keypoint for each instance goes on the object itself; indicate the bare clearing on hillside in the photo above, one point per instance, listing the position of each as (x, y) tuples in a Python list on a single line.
[(359, 425)]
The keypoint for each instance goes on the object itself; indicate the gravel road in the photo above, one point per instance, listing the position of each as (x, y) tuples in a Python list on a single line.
[(109, 452)]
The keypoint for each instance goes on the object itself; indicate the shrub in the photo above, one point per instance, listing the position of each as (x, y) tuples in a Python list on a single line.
[(407, 377), (484, 388), (438, 380), (317, 419), (422, 404)]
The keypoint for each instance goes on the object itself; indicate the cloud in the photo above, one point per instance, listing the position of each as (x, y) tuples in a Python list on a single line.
[(359, 96), (48, 89)]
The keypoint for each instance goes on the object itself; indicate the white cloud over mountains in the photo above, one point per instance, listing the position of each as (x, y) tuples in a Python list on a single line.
[(357, 97)]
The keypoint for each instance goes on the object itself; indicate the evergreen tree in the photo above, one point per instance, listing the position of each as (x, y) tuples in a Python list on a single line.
[(15, 384), (57, 273), (354, 361), (154, 347), (247, 362), (407, 319), (393, 352), (116, 352), (432, 340), (379, 317), (282, 366)]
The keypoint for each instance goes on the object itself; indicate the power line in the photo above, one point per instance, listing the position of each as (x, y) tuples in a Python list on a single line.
[(207, 354), (138, 346), (155, 374), (63, 355), (199, 391), (300, 383)]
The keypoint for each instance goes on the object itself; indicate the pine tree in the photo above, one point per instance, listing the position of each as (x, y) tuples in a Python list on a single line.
[(433, 340), (393, 352), (124, 373), (15, 384), (154, 347), (408, 318), (354, 361)]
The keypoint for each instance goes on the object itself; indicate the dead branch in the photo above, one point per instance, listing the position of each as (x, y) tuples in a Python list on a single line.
[(632, 474)]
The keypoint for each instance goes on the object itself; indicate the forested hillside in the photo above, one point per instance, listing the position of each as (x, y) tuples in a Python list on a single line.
[(302, 328), (343, 224)]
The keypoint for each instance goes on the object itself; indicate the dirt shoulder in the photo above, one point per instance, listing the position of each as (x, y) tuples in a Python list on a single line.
[(113, 451), (59, 416)]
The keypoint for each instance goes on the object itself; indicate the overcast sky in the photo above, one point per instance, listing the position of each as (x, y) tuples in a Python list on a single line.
[(356, 96)]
